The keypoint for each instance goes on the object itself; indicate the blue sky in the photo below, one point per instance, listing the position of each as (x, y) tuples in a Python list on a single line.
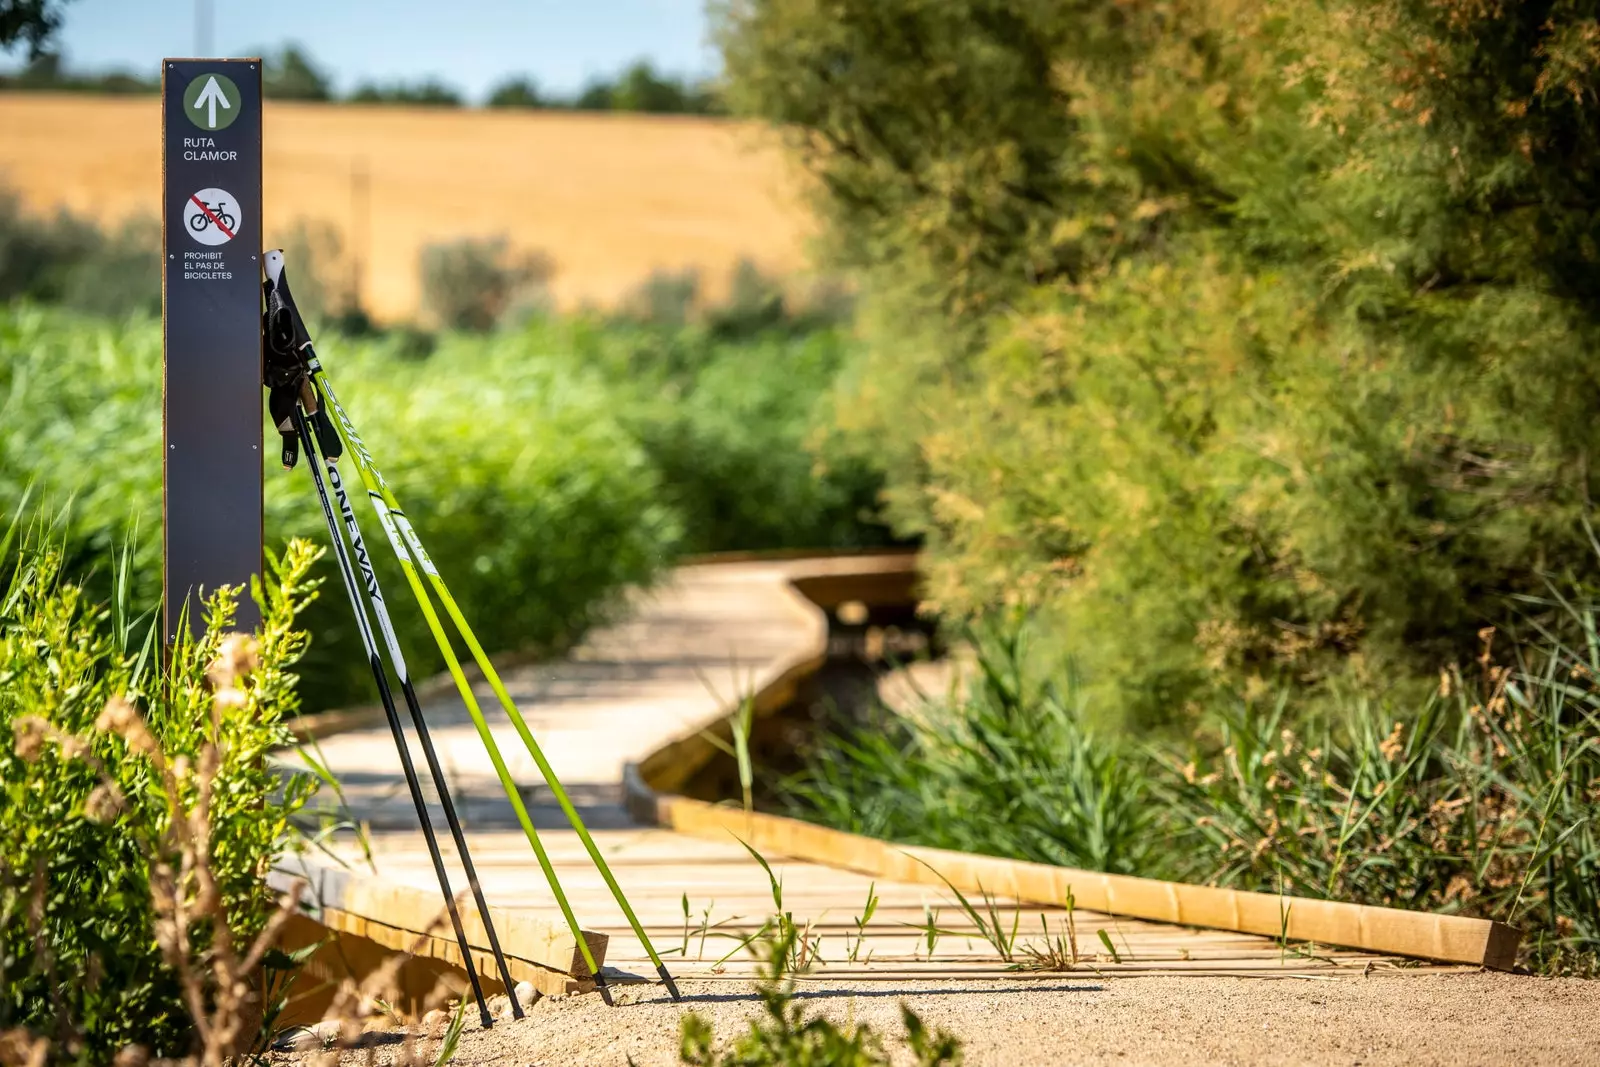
[(470, 44)]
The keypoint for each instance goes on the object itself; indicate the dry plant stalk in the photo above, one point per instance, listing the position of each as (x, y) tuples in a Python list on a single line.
[(222, 1001)]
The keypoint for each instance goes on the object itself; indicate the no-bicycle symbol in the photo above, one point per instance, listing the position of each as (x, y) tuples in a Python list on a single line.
[(211, 216), (211, 102)]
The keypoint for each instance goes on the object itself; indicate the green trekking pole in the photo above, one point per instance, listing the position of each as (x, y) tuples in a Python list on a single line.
[(400, 530)]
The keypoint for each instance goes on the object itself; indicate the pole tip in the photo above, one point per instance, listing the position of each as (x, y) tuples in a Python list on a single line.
[(672, 987)]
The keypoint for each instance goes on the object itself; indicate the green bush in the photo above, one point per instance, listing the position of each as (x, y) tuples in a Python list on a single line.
[(535, 502), (736, 429), (325, 278), (1250, 344), (134, 795), (665, 298)]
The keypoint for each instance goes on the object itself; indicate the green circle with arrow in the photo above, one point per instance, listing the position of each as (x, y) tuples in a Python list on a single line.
[(211, 102)]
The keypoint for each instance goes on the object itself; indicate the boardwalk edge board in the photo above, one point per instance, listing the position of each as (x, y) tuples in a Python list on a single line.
[(410, 920), (649, 791)]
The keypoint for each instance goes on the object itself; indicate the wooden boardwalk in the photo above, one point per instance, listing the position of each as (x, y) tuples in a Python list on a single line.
[(685, 651)]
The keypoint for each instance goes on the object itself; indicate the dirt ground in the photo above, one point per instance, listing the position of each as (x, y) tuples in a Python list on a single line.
[(1475, 1019)]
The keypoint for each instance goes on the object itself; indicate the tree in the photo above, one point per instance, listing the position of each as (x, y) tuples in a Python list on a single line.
[(33, 22), (516, 92), (640, 88), (1246, 343), (598, 95), (292, 75), (428, 93)]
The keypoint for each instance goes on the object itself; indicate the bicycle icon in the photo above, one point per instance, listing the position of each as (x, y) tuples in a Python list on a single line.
[(204, 217), (212, 216)]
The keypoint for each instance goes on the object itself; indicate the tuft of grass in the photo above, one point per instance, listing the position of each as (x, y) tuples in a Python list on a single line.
[(805, 948), (868, 910), (988, 922), (452, 1035), (1054, 952), (785, 1036), (1013, 753)]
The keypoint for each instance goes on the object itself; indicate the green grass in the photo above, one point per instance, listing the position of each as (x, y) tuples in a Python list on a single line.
[(784, 1035), (1016, 749)]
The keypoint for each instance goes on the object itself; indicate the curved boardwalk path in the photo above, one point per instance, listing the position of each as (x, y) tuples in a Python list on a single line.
[(683, 654)]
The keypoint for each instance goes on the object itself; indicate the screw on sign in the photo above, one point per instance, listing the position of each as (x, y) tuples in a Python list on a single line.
[(211, 216)]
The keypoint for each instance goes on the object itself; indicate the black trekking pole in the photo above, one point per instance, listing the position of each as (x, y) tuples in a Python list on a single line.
[(414, 707), (290, 398), (380, 676)]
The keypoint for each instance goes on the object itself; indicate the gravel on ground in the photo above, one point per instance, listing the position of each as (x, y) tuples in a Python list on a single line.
[(1467, 1019)]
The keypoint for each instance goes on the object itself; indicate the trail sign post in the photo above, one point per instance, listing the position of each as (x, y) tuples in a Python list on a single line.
[(211, 332)]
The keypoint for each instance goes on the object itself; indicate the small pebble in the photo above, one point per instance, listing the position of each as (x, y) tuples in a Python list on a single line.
[(435, 1021), (526, 994)]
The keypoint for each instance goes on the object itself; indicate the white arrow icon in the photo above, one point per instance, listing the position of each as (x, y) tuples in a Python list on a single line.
[(209, 98)]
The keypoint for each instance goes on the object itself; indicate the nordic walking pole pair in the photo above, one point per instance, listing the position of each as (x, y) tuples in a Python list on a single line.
[(290, 391), (412, 556)]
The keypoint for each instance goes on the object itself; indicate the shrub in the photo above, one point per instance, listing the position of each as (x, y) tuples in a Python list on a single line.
[(666, 298), (1249, 343), (140, 816), (755, 303), (736, 431), (472, 283), (736, 457), (325, 280)]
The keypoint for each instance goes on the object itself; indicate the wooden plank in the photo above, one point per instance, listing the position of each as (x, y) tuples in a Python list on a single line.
[(410, 911), (1389, 930), (444, 950)]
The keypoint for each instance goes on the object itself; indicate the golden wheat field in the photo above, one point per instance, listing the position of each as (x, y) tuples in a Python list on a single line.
[(608, 197)]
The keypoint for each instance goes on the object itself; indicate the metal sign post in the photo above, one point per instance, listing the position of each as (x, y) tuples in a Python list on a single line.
[(211, 333)]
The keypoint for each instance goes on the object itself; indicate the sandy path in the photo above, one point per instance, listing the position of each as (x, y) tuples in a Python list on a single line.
[(1475, 1019)]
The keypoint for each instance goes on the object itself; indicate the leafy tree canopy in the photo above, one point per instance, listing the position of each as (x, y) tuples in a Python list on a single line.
[(1249, 341)]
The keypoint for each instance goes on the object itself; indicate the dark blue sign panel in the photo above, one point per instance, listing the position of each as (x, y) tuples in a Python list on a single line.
[(211, 316)]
